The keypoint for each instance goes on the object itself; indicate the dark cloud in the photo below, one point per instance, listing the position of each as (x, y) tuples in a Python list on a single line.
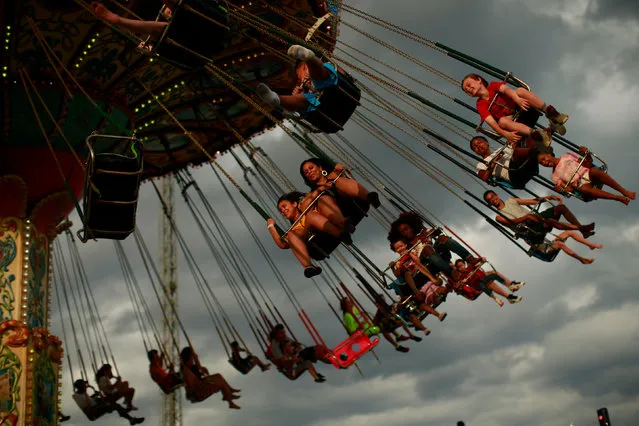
[(552, 359), (614, 9)]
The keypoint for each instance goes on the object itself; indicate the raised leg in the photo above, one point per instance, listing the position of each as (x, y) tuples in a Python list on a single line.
[(351, 188), (321, 223), (328, 207)]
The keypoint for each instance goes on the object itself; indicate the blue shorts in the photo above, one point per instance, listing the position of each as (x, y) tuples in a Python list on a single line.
[(332, 80)]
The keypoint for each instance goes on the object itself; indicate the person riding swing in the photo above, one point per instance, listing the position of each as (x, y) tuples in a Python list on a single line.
[(324, 96), (168, 381), (245, 364)]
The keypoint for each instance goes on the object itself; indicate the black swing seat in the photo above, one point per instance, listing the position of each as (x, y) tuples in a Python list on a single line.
[(544, 252), (111, 188), (201, 26), (337, 104), (321, 245)]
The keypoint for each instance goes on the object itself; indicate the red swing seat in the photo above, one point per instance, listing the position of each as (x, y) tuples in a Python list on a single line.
[(353, 348)]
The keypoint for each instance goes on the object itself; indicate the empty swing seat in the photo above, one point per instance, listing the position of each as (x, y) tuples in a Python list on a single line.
[(352, 349), (201, 26), (337, 104), (111, 188)]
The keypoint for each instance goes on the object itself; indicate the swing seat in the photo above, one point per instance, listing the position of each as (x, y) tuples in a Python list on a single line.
[(195, 32), (111, 188), (242, 368), (353, 348), (337, 104), (468, 292), (544, 252), (321, 245), (196, 389)]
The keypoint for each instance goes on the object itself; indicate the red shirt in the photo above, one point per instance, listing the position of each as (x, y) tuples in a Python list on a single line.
[(158, 374), (502, 107)]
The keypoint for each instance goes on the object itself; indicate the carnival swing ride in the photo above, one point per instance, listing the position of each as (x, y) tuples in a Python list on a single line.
[(98, 98)]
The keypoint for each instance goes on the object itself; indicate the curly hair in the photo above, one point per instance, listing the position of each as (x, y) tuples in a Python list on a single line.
[(411, 219)]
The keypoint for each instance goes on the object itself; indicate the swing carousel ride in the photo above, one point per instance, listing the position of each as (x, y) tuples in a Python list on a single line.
[(93, 106)]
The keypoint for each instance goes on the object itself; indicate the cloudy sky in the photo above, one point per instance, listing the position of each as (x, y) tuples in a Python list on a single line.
[(569, 348)]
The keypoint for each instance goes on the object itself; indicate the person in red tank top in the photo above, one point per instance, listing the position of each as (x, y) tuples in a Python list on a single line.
[(505, 102), (168, 381)]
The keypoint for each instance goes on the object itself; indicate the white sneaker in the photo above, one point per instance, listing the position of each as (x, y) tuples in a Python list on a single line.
[(300, 53), (514, 299), (267, 95), (516, 285)]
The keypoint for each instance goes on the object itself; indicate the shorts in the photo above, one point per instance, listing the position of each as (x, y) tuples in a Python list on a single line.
[(312, 98), (308, 354)]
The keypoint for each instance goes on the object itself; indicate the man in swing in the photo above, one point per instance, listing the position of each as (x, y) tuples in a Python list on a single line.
[(167, 380), (515, 166), (513, 212)]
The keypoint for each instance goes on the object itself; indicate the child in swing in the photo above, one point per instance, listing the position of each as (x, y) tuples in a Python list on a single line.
[(312, 75), (500, 116), (245, 364)]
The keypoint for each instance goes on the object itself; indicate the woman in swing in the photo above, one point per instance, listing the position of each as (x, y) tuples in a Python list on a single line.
[(500, 116), (570, 174), (245, 364), (324, 216), (167, 380), (318, 173), (95, 406), (199, 384), (114, 390)]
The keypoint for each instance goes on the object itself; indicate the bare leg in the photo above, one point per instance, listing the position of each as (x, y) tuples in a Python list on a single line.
[(260, 364), (512, 126), (560, 245), (299, 249), (150, 28), (418, 324), (575, 236), (599, 176), (507, 282), (534, 100), (293, 102), (497, 289), (321, 223), (597, 193), (329, 208), (351, 188)]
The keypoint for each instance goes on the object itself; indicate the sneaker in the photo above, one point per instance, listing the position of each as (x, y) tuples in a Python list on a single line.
[(320, 380), (516, 285), (136, 420), (300, 53), (557, 128), (416, 338), (426, 332), (267, 95), (542, 136), (403, 338), (513, 299), (64, 418), (311, 271), (373, 198), (402, 349), (555, 116), (443, 317)]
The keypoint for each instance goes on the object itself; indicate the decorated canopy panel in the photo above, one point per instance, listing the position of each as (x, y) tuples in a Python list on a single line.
[(95, 79)]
